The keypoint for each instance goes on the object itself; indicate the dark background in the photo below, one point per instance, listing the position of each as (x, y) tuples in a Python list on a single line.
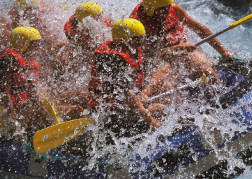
[(237, 9)]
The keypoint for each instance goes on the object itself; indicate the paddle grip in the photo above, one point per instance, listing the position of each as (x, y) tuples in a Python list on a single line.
[(233, 25), (241, 21)]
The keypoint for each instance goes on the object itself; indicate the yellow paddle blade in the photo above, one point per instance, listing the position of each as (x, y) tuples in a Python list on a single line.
[(58, 134), (50, 109), (4, 121)]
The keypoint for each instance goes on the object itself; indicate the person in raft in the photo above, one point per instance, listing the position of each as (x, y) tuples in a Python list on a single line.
[(18, 82), (32, 13), (116, 75), (165, 23), (86, 30)]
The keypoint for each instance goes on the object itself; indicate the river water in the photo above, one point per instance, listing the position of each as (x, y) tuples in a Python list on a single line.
[(211, 13)]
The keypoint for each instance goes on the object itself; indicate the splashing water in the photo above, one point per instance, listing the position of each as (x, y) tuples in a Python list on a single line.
[(217, 120)]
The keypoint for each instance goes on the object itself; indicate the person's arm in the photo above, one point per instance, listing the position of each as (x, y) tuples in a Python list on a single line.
[(180, 49), (5, 21), (137, 107), (76, 97), (157, 81), (62, 56), (201, 30), (197, 62)]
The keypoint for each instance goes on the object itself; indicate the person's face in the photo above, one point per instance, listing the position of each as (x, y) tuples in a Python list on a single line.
[(35, 46), (84, 36), (136, 41), (161, 13)]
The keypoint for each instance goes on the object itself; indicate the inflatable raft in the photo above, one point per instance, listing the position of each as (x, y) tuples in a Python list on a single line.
[(185, 150)]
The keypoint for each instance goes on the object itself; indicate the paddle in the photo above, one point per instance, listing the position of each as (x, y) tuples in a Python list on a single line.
[(58, 134), (228, 98), (192, 84), (50, 109), (231, 26)]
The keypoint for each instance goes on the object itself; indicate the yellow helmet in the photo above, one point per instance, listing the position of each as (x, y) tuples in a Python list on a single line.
[(126, 29), (22, 4), (21, 37), (151, 5), (36, 2), (87, 9)]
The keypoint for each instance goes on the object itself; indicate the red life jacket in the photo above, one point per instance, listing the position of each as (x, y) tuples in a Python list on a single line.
[(21, 87), (33, 69), (70, 27), (95, 83), (172, 30)]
